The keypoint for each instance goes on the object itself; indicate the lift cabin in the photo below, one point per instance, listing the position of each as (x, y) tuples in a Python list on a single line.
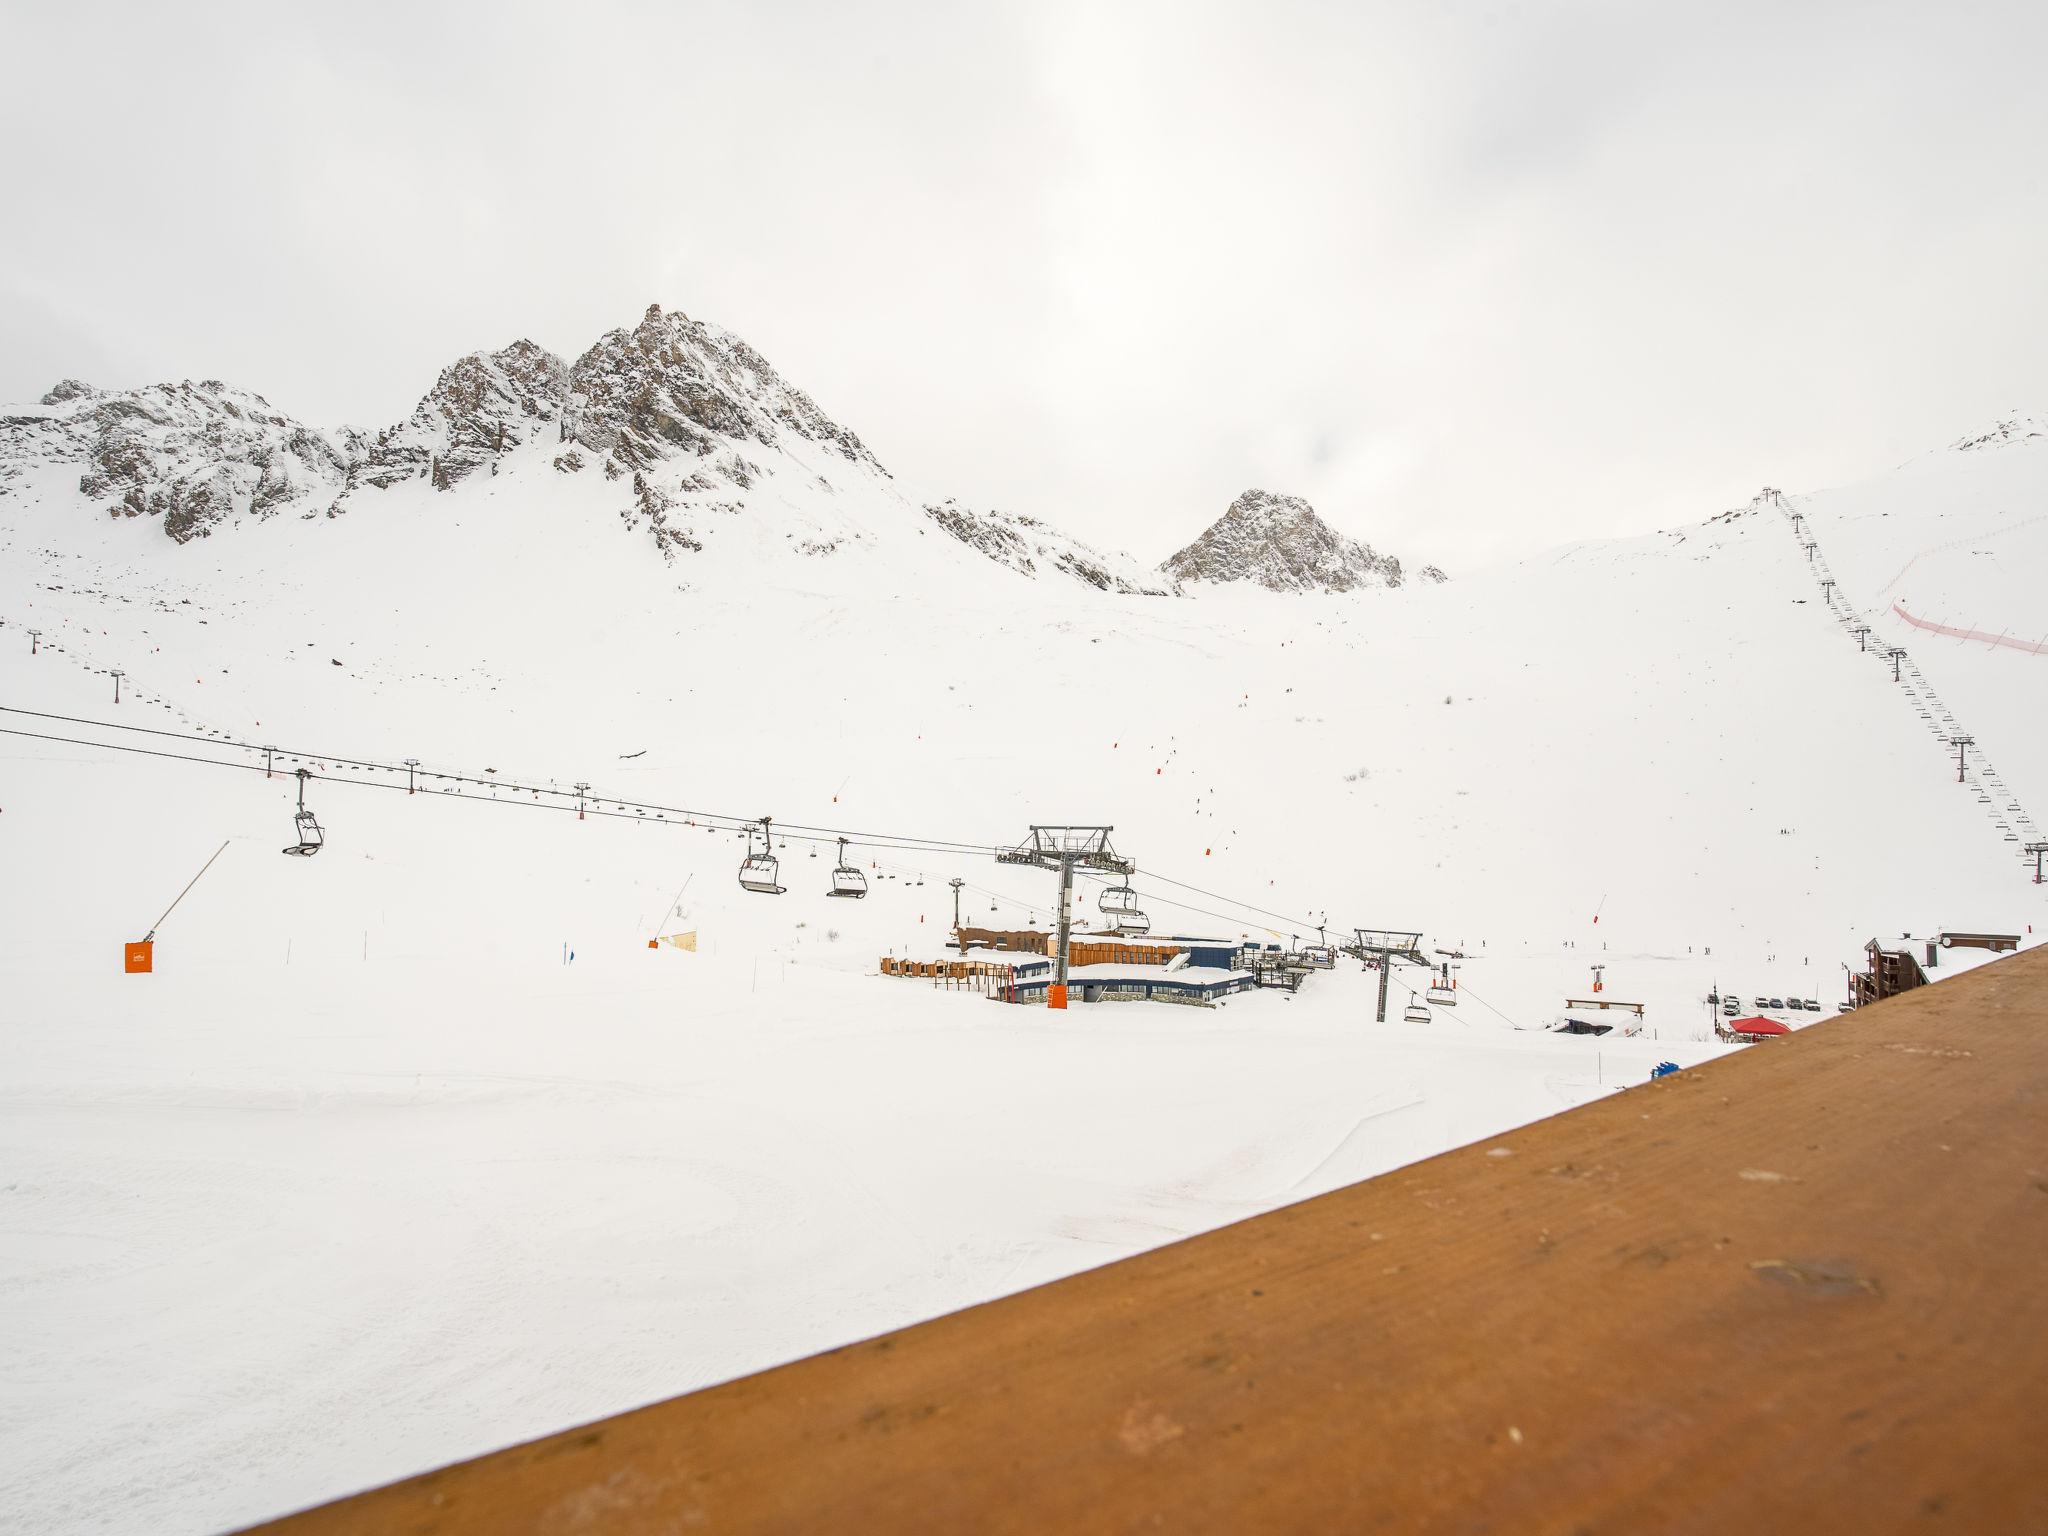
[(758, 871), (846, 880), (311, 838)]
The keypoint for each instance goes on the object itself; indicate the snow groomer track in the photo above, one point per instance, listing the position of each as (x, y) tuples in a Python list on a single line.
[(1795, 1288)]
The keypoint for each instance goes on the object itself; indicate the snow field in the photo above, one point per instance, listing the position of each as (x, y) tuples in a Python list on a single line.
[(366, 1178)]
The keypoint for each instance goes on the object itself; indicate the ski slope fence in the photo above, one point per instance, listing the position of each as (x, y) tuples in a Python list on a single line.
[(2031, 647)]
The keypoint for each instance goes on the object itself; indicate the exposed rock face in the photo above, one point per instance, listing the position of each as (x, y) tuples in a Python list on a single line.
[(1280, 543), (1027, 545), (481, 407), (673, 385), (189, 455)]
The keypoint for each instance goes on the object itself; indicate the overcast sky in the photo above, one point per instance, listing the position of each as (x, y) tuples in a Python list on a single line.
[(1473, 278)]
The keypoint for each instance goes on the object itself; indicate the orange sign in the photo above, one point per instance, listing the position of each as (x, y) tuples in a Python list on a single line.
[(138, 957)]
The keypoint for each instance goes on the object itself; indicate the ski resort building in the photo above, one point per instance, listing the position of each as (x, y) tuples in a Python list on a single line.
[(1176, 971), (1106, 983)]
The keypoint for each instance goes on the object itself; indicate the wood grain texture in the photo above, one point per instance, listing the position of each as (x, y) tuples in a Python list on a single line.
[(1800, 1288)]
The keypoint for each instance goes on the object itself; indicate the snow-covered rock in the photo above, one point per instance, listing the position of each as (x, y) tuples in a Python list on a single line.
[(1279, 543), (481, 407), (190, 456), (1026, 545), (2013, 429), (673, 386)]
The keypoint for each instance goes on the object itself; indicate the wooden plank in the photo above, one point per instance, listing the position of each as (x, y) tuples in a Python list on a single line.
[(1799, 1288)]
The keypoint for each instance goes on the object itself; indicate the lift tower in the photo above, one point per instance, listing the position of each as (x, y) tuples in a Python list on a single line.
[(1962, 744), (1384, 945), (1067, 849)]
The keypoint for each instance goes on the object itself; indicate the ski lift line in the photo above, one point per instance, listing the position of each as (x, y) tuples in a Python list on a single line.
[(350, 779), (629, 810), (1179, 905), (1228, 900), (803, 831)]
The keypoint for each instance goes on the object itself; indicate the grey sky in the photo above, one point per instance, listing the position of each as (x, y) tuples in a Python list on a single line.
[(1474, 278)]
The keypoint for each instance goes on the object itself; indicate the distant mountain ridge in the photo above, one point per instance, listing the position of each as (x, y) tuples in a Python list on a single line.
[(1278, 542), (695, 425)]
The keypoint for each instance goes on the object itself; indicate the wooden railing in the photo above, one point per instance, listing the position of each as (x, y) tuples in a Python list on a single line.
[(1789, 1290)]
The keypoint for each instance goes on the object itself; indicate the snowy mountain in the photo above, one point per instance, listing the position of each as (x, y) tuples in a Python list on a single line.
[(699, 443), (673, 385), (694, 440), (1279, 542)]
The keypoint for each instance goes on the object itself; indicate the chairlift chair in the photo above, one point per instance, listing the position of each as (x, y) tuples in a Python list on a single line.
[(1117, 899), (311, 837), (1131, 922), (758, 870), (1415, 1013), (1441, 992), (846, 880)]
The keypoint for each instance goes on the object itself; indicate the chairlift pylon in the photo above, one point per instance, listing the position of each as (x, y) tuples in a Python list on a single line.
[(846, 880), (758, 870), (311, 838)]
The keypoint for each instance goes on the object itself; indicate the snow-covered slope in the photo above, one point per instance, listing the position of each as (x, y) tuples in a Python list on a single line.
[(1279, 543), (367, 1177)]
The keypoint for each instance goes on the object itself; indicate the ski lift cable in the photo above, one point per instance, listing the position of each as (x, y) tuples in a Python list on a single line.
[(803, 831), (626, 810)]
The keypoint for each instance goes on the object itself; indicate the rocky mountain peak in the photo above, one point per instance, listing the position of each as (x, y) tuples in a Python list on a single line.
[(482, 406), (673, 386), (1280, 543)]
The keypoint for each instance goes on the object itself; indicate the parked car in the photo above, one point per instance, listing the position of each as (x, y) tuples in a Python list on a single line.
[(1813, 1005), (1794, 1004), (1776, 1002), (1763, 1002), (1731, 1008)]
